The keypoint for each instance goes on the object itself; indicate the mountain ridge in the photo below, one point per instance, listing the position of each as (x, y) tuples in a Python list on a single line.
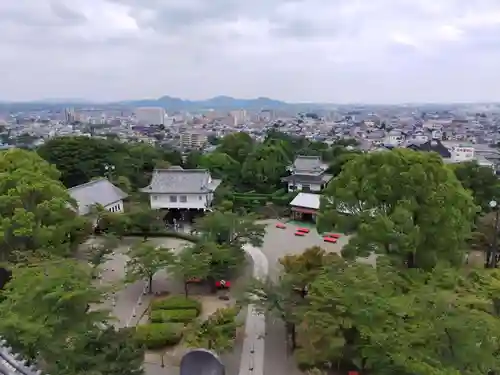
[(170, 103)]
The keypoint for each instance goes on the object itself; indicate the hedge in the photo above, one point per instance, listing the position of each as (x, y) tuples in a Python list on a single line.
[(174, 316), (176, 303), (159, 335), (179, 235)]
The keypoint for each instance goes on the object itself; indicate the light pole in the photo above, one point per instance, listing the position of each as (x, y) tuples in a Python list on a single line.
[(109, 170), (493, 253)]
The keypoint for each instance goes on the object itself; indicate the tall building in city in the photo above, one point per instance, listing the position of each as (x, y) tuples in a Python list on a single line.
[(239, 116), (193, 140), (69, 115), (150, 115)]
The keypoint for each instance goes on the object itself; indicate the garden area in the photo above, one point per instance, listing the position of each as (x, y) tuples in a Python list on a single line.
[(173, 324)]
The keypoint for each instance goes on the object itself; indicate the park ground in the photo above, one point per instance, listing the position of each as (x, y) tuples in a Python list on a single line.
[(130, 302)]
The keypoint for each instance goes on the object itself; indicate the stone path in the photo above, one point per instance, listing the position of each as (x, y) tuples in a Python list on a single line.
[(252, 358)]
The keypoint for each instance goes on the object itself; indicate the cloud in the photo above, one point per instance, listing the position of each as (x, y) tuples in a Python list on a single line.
[(297, 50)]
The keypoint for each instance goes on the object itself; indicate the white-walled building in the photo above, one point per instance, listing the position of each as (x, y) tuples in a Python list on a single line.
[(184, 189), (98, 192), (150, 115)]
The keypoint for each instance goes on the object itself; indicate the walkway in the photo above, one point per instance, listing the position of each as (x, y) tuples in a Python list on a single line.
[(252, 357)]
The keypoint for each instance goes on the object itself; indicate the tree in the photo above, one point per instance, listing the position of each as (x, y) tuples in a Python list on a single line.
[(145, 261), (237, 146), (37, 212), (217, 333), (264, 168), (101, 351), (46, 304), (228, 228), (143, 219), (481, 181), (191, 265), (222, 166), (98, 253), (406, 205), (193, 159)]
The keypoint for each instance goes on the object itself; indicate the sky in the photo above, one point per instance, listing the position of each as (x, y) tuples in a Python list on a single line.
[(335, 51)]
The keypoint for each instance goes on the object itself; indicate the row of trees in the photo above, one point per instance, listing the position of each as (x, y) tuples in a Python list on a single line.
[(421, 309), (239, 160)]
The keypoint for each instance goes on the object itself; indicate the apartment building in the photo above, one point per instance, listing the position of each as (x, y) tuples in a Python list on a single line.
[(150, 115), (193, 140)]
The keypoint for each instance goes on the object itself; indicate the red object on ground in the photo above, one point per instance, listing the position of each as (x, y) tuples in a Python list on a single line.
[(303, 230), (299, 233), (333, 235), (353, 373), (223, 284), (329, 239), (280, 226)]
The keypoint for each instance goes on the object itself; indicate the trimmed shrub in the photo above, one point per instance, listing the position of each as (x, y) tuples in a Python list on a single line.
[(174, 316), (176, 303), (158, 335), (166, 234)]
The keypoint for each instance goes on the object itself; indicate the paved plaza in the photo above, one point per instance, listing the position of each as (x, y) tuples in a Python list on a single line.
[(267, 353)]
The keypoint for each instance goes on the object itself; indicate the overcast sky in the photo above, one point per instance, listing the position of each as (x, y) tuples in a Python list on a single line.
[(377, 51)]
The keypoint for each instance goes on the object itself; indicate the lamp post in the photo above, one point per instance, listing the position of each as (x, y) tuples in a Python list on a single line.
[(493, 253), (109, 170)]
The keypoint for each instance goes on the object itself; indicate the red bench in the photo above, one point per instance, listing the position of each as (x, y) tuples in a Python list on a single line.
[(281, 226), (299, 233), (303, 230), (329, 239), (333, 235)]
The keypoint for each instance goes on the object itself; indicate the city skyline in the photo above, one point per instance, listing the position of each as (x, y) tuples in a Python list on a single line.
[(296, 51)]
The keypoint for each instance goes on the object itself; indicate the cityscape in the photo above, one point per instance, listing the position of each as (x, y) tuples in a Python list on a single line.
[(278, 187), (457, 132)]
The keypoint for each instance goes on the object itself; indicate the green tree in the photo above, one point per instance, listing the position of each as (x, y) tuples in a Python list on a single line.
[(237, 146), (222, 166), (190, 265), (217, 333), (101, 351), (37, 212), (264, 168), (407, 205), (143, 219), (481, 181), (193, 159), (98, 253), (228, 228), (145, 261), (47, 304)]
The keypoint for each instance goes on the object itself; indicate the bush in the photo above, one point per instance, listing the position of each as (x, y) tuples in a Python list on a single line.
[(174, 316), (159, 335), (176, 303)]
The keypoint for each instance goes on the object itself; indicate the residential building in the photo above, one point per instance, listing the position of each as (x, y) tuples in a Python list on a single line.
[(307, 174), (98, 192), (181, 189), (193, 140), (150, 115)]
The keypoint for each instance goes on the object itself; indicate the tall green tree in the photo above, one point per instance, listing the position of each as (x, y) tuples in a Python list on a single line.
[(481, 181), (222, 166), (145, 261), (237, 146), (46, 305), (191, 265), (231, 229), (101, 351), (264, 168), (406, 205), (37, 213)]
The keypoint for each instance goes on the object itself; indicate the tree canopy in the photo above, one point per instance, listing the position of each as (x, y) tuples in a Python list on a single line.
[(407, 205)]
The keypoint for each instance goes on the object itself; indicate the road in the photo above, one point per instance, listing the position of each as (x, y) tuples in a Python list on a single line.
[(278, 243)]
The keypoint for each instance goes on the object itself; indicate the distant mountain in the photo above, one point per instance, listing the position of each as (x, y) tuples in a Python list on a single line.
[(218, 102), (171, 104)]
